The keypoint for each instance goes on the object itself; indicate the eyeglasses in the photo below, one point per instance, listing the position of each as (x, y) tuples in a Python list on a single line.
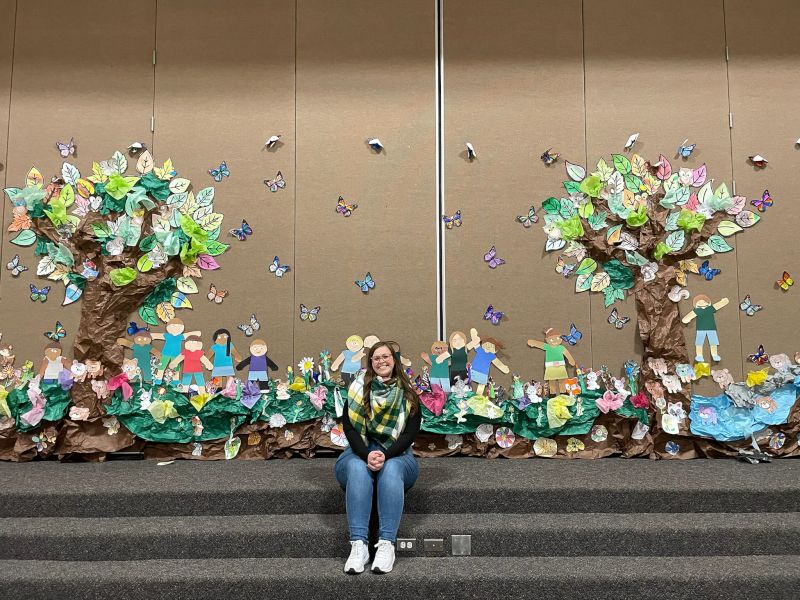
[(384, 358)]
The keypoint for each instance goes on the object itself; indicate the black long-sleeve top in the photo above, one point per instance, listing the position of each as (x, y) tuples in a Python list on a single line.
[(401, 444)]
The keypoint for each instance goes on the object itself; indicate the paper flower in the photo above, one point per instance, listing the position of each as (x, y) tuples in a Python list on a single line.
[(609, 401), (571, 228), (755, 378), (162, 410), (640, 400), (306, 365), (702, 369), (504, 437), (575, 445)]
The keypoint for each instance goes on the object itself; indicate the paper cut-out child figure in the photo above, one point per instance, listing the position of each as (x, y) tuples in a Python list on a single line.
[(350, 359), (440, 371), (258, 363), (193, 361), (173, 341), (457, 353), (485, 356), (223, 354), (53, 363), (556, 357), (142, 349), (706, 326)]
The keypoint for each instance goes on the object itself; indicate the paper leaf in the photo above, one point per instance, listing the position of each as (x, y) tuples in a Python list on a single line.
[(205, 196), (722, 191), (148, 315), (179, 300), (616, 183), (611, 295), (603, 170), (179, 185), (671, 222), (588, 265), (699, 176), (664, 170), (34, 178), (214, 248), (613, 234), (165, 311), (144, 264), (718, 243), (177, 200), (627, 242), (118, 162), (207, 263), (551, 206), (728, 228), (738, 205), (210, 221), (67, 195), (600, 282), (621, 163), (145, 163), (638, 166), (166, 172), (705, 193), (46, 266), (122, 277), (583, 282), (60, 273), (70, 173), (632, 183), (575, 172), (572, 187), (704, 250), (634, 258), (554, 244), (586, 210), (85, 188), (597, 220), (187, 285), (747, 218), (26, 237), (676, 240)]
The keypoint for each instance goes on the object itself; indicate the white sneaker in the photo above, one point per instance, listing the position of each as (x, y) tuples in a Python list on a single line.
[(359, 557), (384, 557)]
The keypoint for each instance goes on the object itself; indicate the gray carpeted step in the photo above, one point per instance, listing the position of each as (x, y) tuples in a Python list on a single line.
[(449, 485), (315, 535), (555, 578)]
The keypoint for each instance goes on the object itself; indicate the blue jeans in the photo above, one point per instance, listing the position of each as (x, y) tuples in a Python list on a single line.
[(394, 479)]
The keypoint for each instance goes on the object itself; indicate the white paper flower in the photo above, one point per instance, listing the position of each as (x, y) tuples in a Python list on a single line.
[(306, 365)]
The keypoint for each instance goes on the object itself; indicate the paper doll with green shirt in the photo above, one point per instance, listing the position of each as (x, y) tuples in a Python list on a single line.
[(556, 357), (705, 324)]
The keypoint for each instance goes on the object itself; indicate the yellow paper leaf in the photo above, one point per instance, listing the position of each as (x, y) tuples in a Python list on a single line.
[(97, 174), (638, 166), (164, 173), (85, 188), (628, 199), (689, 265), (600, 281), (165, 311), (34, 178), (59, 273)]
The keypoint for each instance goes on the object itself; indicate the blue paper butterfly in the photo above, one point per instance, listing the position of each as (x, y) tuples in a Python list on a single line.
[(218, 174), (39, 294), (133, 328), (367, 283), (684, 150), (574, 335), (708, 272)]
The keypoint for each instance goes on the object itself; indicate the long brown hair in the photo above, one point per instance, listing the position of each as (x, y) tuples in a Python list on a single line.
[(398, 374)]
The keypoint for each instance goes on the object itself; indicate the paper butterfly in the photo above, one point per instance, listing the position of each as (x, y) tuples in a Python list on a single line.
[(248, 329), (218, 174), (136, 147), (66, 149), (785, 282), (345, 208), (617, 321), (758, 160), (492, 260), (278, 268), (574, 335), (308, 314), (548, 157), (242, 232), (375, 144), (454, 220), (215, 295), (15, 267), (275, 184), (471, 155), (759, 357), (133, 328), (685, 151), (530, 218), (708, 272), (57, 333), (492, 315), (563, 268), (631, 140), (748, 307), (367, 283), (273, 139), (41, 294), (763, 203)]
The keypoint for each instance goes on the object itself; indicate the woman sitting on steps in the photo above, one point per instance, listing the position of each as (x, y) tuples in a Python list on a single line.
[(381, 420)]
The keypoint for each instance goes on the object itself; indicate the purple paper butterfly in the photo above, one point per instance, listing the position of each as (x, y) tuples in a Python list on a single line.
[(492, 315), (492, 260)]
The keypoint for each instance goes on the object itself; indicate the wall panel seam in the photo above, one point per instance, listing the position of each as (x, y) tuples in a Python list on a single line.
[(8, 136)]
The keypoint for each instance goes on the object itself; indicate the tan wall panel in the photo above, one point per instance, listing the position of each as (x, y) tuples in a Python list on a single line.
[(513, 87), (224, 84), (765, 84), (361, 72), (8, 10), (660, 70), (100, 91)]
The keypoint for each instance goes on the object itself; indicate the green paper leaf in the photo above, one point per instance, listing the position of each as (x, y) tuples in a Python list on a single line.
[(123, 276), (676, 240), (70, 173), (621, 163), (26, 237), (688, 220), (575, 172), (101, 231), (148, 315), (586, 210), (211, 221), (572, 187), (179, 300), (613, 234), (616, 205), (603, 170), (660, 251), (566, 208), (588, 265), (621, 276), (704, 250), (637, 218), (551, 206), (671, 222), (718, 243), (597, 221), (118, 186), (214, 248), (592, 186), (144, 264), (158, 188), (137, 199), (571, 228), (583, 282), (148, 243), (205, 196), (635, 259), (161, 293), (728, 228), (632, 183), (611, 295), (187, 285)]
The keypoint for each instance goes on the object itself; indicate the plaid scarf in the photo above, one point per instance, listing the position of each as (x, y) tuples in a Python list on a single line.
[(388, 415)]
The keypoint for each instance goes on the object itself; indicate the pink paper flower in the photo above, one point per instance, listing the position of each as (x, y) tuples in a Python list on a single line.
[(609, 401)]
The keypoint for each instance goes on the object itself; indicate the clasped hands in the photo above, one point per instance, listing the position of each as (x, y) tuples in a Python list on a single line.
[(375, 460)]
